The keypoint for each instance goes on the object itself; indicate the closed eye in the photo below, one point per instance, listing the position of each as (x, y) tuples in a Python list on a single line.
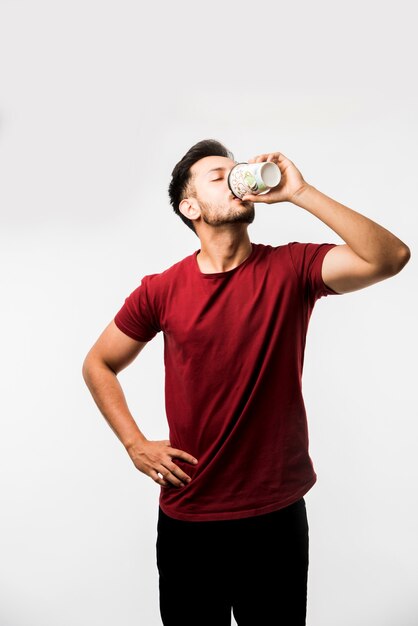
[(215, 179)]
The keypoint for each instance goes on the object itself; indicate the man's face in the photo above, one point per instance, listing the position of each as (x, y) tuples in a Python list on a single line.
[(218, 205)]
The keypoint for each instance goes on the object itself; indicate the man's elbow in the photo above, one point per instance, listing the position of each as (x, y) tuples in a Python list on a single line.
[(402, 259), (90, 364), (395, 263), (86, 368), (94, 363)]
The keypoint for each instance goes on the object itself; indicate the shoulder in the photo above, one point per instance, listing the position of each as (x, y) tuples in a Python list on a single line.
[(266, 249), (157, 281), (308, 252), (271, 253)]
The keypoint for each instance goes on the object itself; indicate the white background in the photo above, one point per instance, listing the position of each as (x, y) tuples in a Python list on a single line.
[(99, 100)]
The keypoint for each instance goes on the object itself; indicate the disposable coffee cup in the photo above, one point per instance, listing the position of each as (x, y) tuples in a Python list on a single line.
[(253, 178)]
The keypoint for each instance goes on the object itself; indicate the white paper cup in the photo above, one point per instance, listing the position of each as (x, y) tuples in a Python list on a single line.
[(253, 178)]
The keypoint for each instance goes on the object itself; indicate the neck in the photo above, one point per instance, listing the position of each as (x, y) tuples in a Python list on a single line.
[(222, 251)]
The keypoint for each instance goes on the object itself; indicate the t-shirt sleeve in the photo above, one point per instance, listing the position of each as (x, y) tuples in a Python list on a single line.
[(307, 260), (136, 317)]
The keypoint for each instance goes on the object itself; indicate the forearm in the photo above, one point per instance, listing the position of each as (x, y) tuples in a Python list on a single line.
[(108, 395), (366, 238)]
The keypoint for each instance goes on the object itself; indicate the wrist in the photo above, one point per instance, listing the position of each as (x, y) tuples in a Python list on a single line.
[(134, 442), (301, 192)]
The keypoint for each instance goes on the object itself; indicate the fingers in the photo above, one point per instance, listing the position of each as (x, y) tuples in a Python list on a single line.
[(184, 456), (268, 156), (171, 473), (166, 473), (158, 478)]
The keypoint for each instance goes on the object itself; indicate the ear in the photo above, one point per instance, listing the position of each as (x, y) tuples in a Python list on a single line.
[(188, 208)]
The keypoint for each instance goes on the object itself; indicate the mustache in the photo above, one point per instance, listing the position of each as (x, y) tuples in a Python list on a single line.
[(242, 201)]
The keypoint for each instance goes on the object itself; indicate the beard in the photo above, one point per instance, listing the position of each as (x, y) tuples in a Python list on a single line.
[(243, 213)]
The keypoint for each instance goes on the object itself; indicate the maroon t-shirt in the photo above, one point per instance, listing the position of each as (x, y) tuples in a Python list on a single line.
[(233, 351)]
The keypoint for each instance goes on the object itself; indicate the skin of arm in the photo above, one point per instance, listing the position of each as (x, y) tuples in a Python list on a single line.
[(371, 253), (112, 352)]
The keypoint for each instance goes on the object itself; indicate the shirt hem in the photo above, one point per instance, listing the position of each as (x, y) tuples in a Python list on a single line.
[(128, 332), (270, 508)]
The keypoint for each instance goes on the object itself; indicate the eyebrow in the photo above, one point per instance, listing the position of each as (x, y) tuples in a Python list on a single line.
[(216, 169)]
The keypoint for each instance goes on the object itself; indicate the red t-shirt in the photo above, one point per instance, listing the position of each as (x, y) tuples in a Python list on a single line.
[(233, 352)]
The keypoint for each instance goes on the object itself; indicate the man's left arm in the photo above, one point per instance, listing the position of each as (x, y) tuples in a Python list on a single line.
[(371, 253)]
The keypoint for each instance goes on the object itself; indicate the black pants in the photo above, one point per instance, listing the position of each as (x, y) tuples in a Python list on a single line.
[(256, 566)]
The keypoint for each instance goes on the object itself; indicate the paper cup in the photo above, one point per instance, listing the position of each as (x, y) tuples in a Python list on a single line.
[(253, 178)]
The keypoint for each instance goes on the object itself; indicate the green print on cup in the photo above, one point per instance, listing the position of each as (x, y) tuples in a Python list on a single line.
[(253, 178), (251, 181)]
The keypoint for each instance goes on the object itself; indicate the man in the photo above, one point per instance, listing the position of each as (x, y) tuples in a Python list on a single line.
[(232, 526)]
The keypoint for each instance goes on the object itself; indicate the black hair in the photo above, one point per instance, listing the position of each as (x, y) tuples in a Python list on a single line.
[(182, 184)]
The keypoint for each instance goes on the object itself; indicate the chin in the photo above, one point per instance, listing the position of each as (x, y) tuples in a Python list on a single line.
[(245, 218)]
